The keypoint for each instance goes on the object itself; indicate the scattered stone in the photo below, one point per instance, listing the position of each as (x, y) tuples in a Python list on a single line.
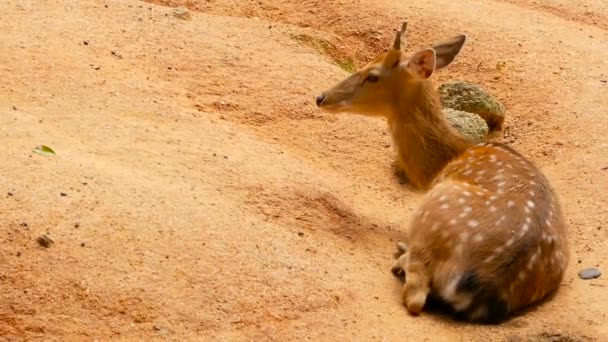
[(470, 125), (45, 241), (14, 107), (86, 42), (82, 244), (76, 225), (589, 273), (160, 329), (63, 194), (300, 234), (18, 254), (182, 13), (116, 54), (472, 98), (9, 194)]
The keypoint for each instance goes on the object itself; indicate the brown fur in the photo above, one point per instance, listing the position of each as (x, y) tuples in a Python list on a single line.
[(489, 238)]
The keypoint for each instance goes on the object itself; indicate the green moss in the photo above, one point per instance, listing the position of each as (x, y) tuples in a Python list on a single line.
[(347, 65), (325, 48)]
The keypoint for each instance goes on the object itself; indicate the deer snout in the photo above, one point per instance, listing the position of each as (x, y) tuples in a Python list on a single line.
[(320, 99)]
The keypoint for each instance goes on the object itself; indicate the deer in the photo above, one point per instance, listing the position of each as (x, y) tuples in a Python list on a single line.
[(488, 238)]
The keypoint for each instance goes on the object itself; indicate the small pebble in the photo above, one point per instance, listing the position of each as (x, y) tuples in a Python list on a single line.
[(182, 13), (9, 194), (589, 273), (45, 241), (14, 107), (18, 254), (76, 225), (82, 244), (86, 42), (300, 234), (63, 194)]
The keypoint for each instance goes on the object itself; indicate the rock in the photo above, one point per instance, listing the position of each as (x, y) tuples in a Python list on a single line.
[(589, 273), (182, 13), (45, 241), (469, 125), (472, 98)]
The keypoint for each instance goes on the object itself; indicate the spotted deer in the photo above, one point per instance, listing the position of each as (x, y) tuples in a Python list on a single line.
[(489, 237)]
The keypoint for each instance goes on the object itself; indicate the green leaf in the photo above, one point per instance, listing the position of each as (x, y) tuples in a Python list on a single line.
[(44, 150)]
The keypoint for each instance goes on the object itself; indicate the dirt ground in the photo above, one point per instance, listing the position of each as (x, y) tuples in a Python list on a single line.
[(198, 194)]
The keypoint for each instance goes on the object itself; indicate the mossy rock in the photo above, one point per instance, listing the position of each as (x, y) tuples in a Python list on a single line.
[(470, 125), (468, 97)]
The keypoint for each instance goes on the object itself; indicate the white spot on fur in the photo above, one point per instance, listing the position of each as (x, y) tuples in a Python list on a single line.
[(489, 259), (472, 223), (510, 204), (443, 198), (548, 223), (501, 184), (532, 261), (532, 193), (444, 206), (509, 242), (464, 236), (530, 204), (524, 229), (466, 193), (453, 221), (435, 226), (532, 182), (478, 238), (425, 214), (493, 158), (461, 200)]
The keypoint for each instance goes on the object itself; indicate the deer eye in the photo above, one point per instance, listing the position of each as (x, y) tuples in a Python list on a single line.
[(372, 78)]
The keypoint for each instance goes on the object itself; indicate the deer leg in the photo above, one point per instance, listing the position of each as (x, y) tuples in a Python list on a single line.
[(416, 288), (401, 256), (399, 265), (399, 172)]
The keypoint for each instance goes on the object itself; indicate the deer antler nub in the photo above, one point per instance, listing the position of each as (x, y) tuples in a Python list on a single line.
[(397, 43)]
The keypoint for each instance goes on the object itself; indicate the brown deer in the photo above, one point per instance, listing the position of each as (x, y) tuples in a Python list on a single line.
[(489, 237)]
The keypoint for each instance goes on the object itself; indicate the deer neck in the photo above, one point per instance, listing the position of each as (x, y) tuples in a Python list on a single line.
[(424, 139)]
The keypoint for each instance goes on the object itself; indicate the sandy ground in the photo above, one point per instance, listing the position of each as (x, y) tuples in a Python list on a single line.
[(198, 194)]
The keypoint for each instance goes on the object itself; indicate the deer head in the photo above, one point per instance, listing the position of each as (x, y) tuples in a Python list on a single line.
[(374, 89)]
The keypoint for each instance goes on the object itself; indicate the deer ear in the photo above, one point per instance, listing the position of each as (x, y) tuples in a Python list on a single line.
[(422, 63), (448, 49)]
